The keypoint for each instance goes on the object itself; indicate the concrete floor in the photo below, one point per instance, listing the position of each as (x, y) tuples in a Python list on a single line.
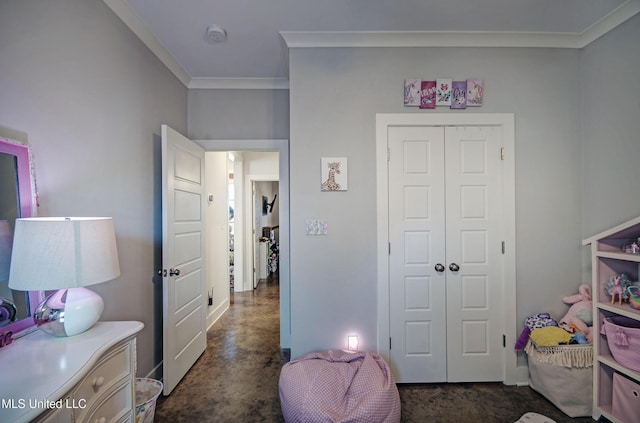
[(236, 379)]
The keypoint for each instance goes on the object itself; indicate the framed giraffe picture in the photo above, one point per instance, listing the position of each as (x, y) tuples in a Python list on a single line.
[(334, 174)]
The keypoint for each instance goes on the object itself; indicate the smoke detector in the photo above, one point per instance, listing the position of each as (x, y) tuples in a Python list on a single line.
[(216, 33)]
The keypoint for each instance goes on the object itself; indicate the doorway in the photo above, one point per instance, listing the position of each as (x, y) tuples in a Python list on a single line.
[(265, 230), (254, 204), (281, 147)]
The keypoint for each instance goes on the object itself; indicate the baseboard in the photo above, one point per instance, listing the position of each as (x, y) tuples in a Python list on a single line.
[(522, 378), (215, 315)]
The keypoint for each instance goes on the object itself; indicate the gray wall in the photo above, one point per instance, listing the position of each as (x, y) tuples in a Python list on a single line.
[(335, 94), (238, 114), (91, 98), (611, 128)]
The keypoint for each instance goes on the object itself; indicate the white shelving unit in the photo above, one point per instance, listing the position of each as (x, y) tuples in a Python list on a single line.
[(608, 259)]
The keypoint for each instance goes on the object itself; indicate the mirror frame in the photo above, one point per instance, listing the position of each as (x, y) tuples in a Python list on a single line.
[(28, 203)]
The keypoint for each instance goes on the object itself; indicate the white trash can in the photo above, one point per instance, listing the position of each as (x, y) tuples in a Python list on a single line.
[(147, 392)]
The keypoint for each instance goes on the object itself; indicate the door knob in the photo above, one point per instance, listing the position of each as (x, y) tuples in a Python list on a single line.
[(439, 268), (454, 267), (174, 272)]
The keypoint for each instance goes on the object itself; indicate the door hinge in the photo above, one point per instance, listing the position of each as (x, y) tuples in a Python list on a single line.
[(503, 247), (389, 342), (504, 341), (389, 248), (388, 154), (501, 153)]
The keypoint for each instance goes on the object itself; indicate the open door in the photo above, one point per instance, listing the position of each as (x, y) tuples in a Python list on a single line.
[(183, 267), (256, 236)]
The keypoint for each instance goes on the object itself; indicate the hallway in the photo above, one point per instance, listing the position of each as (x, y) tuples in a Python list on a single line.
[(236, 379)]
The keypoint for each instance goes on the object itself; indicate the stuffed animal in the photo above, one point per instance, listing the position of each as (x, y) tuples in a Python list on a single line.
[(579, 318), (537, 321)]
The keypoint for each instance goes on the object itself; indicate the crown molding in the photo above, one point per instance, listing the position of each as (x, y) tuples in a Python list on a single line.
[(130, 19), (625, 11), (239, 83), (311, 39)]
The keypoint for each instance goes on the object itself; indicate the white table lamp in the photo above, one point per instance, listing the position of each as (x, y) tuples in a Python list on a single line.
[(65, 254)]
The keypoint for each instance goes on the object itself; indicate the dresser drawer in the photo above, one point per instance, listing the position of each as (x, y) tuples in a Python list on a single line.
[(109, 371), (112, 407), (59, 415)]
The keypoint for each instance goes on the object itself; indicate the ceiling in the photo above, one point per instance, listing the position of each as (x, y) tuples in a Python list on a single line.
[(259, 32)]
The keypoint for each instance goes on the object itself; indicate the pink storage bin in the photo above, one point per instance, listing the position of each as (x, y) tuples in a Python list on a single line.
[(623, 337), (625, 403)]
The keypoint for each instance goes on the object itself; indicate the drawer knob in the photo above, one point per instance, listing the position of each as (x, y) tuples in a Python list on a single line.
[(98, 382)]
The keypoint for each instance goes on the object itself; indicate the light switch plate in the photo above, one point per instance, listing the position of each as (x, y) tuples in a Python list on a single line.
[(316, 226)]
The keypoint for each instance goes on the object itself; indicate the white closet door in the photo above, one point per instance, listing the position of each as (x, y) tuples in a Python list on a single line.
[(417, 244), (444, 211), (474, 243)]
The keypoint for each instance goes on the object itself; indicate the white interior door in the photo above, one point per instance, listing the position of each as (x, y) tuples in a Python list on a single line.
[(445, 266), (474, 244), (259, 248), (417, 244), (256, 236), (183, 283)]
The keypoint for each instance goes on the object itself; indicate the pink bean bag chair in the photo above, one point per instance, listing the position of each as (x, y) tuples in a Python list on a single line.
[(339, 386)]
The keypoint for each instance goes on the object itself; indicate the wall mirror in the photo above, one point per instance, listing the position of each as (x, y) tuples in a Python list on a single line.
[(17, 199)]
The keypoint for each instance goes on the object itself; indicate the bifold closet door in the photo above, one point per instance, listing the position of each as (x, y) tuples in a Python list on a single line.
[(444, 254)]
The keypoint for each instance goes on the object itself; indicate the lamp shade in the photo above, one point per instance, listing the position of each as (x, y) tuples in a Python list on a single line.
[(6, 241), (63, 252)]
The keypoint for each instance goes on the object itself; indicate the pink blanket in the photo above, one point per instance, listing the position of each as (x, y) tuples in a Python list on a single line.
[(339, 386)]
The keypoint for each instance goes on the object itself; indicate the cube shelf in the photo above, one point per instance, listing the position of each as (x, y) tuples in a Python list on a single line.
[(608, 259)]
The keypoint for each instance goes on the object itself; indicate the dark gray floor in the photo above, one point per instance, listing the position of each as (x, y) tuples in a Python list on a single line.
[(236, 379)]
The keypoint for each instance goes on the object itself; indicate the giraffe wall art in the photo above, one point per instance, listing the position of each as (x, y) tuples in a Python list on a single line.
[(334, 174)]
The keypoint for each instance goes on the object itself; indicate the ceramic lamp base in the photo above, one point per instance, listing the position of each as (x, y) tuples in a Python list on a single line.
[(68, 312)]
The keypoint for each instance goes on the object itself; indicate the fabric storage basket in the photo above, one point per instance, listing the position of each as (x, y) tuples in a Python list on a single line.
[(625, 403), (564, 375), (623, 338)]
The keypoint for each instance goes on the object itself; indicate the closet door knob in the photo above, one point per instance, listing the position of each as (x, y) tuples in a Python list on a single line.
[(454, 267), (174, 272), (439, 268)]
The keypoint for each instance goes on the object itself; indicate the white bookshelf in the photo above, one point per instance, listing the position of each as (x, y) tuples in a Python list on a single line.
[(608, 259)]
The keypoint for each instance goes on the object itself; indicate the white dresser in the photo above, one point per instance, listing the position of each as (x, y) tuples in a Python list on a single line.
[(88, 377)]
